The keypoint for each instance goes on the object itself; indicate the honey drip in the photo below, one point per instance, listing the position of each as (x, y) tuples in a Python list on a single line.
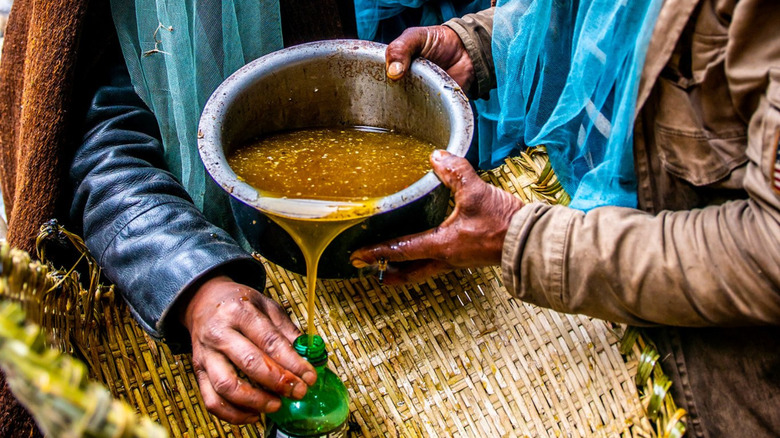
[(312, 237)]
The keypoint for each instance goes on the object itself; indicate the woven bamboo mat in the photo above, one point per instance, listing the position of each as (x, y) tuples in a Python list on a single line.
[(453, 357), (457, 356)]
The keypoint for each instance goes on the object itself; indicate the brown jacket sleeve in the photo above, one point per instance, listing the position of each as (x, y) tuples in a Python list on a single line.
[(719, 265), (476, 32)]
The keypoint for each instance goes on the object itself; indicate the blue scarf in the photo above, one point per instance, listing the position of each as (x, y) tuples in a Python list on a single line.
[(568, 73)]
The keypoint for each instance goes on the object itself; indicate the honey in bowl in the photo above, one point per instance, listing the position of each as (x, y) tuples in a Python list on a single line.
[(332, 164), (354, 165)]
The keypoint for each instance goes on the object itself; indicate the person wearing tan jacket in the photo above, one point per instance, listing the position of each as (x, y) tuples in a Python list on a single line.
[(699, 259)]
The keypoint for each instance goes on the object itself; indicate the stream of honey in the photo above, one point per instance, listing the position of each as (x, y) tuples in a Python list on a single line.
[(312, 237), (356, 166)]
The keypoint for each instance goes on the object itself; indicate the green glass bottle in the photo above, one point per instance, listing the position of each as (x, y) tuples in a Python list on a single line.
[(323, 412)]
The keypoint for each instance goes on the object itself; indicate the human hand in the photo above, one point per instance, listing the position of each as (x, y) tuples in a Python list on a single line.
[(472, 236), (234, 327), (439, 44)]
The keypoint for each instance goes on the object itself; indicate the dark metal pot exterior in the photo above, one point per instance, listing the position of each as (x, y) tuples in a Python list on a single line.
[(270, 240), (327, 84)]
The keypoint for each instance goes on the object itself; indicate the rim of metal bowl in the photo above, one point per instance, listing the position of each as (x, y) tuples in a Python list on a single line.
[(211, 127)]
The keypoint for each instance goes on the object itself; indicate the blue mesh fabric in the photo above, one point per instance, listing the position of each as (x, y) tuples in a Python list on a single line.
[(369, 13), (491, 151), (177, 53), (568, 74)]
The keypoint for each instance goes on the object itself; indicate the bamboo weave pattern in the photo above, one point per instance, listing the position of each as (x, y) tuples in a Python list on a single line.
[(455, 356)]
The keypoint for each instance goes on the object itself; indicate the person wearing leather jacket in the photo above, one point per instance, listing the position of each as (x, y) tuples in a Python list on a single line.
[(187, 281), (151, 241)]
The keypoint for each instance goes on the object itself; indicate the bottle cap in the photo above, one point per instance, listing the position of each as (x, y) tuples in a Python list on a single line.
[(311, 348)]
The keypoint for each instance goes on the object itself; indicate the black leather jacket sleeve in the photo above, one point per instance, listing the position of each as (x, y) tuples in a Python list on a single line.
[(138, 220)]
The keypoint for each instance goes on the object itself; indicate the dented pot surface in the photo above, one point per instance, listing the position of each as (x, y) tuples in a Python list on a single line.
[(330, 84)]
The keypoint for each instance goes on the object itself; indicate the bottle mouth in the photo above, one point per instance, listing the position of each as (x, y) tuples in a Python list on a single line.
[(311, 348)]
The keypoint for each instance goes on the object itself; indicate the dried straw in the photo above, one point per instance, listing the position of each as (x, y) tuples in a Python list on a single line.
[(54, 387)]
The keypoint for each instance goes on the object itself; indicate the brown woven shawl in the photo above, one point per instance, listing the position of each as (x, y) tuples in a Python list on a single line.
[(37, 72), (36, 77)]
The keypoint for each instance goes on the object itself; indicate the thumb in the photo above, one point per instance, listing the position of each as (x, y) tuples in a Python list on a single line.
[(399, 53), (454, 172)]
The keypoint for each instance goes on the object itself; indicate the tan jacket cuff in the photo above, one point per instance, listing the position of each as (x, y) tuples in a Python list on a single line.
[(476, 32), (533, 269)]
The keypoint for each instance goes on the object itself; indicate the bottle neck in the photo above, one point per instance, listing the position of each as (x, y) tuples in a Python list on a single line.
[(312, 348)]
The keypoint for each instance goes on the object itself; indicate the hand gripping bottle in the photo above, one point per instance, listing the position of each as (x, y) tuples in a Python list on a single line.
[(323, 412)]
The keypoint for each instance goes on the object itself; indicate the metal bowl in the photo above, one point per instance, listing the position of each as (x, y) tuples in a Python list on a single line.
[(331, 84)]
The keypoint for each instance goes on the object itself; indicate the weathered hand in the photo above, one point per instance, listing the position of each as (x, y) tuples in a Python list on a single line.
[(439, 44), (472, 236), (234, 327)]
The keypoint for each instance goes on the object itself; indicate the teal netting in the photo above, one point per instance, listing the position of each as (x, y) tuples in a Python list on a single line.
[(567, 75), (177, 53), (369, 13), (384, 20)]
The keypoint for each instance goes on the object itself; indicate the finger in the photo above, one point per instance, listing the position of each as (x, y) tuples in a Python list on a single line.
[(278, 317), (426, 245), (262, 369), (224, 409), (399, 53), (277, 348), (454, 172), (239, 392), (221, 407), (415, 272)]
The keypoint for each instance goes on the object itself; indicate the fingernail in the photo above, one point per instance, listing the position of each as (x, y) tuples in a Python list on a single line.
[(299, 390), (395, 69), (359, 264), (273, 405), (437, 155), (309, 377)]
